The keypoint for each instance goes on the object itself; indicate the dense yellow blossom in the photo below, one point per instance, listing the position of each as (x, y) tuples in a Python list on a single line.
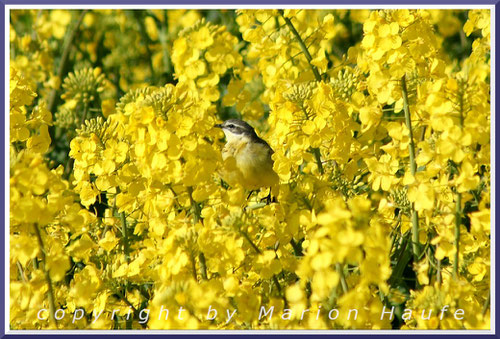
[(381, 137)]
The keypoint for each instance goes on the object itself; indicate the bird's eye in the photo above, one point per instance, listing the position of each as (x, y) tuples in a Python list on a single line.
[(230, 125)]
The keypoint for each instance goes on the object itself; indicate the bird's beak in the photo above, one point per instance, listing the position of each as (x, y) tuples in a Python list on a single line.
[(218, 125)]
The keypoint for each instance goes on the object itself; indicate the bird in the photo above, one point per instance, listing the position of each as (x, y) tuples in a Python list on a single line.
[(253, 162)]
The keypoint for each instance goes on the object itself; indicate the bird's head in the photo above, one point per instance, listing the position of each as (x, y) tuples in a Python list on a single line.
[(236, 129)]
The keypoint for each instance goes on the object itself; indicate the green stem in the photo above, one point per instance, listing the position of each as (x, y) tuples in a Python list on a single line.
[(458, 221), (297, 250), (147, 40), (302, 46), (247, 237), (197, 217), (194, 205), (276, 23), (277, 283), (401, 262), (343, 282), (413, 169), (69, 164), (317, 156), (128, 322), (461, 94), (50, 292), (274, 278), (438, 273), (126, 249), (203, 266), (64, 58), (315, 151), (125, 300), (164, 44), (413, 164), (486, 305), (193, 266), (458, 206), (106, 227), (21, 271), (85, 112)]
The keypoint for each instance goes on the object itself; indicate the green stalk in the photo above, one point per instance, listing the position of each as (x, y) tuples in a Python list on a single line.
[(413, 169), (302, 46), (315, 150), (128, 323), (68, 43), (438, 273), (147, 40), (461, 106), (274, 278), (21, 272), (197, 217), (401, 262), (125, 300), (194, 205), (126, 249), (297, 251), (486, 305), (343, 282), (85, 112), (69, 164), (247, 237), (458, 206), (458, 221), (193, 266), (50, 292), (164, 44), (203, 265), (277, 283), (317, 156)]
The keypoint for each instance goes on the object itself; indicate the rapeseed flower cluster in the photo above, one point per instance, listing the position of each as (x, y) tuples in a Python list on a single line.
[(381, 137)]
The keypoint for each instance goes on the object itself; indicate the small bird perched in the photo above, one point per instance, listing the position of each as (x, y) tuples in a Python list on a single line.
[(254, 165)]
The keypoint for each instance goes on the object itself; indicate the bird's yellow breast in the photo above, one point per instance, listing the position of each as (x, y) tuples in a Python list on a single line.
[(253, 161)]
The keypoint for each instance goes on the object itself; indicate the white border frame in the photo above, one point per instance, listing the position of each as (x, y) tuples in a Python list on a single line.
[(250, 332)]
